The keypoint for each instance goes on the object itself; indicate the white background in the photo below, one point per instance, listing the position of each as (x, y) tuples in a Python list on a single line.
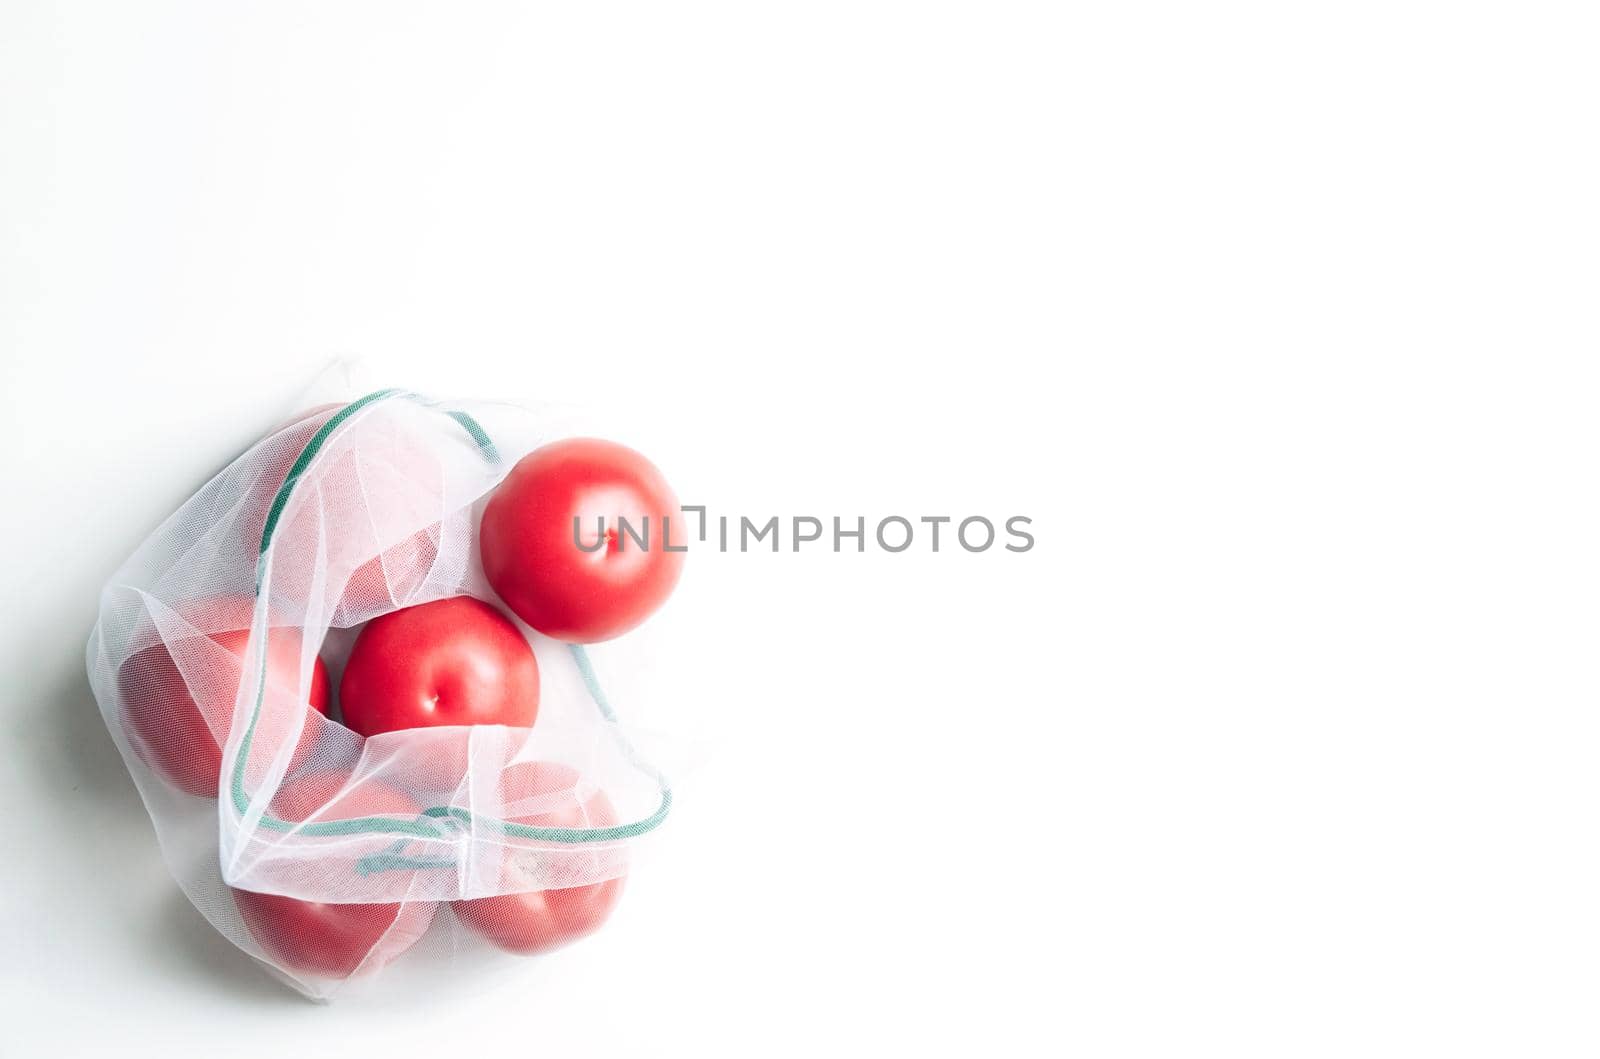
[(1279, 320)]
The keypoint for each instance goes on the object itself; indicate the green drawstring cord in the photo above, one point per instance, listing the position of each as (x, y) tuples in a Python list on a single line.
[(437, 822)]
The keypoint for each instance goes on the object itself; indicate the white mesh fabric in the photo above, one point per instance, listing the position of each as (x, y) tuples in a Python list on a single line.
[(383, 514)]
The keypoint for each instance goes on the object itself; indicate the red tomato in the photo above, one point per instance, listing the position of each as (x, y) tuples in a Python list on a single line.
[(334, 940), (529, 923), (180, 713), (452, 661), (534, 562)]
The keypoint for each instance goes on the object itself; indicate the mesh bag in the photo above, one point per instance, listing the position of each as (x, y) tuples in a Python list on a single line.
[(321, 853)]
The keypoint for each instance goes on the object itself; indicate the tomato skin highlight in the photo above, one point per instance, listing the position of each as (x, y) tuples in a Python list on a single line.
[(168, 713), (455, 661), (562, 589), (542, 920), (333, 940)]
